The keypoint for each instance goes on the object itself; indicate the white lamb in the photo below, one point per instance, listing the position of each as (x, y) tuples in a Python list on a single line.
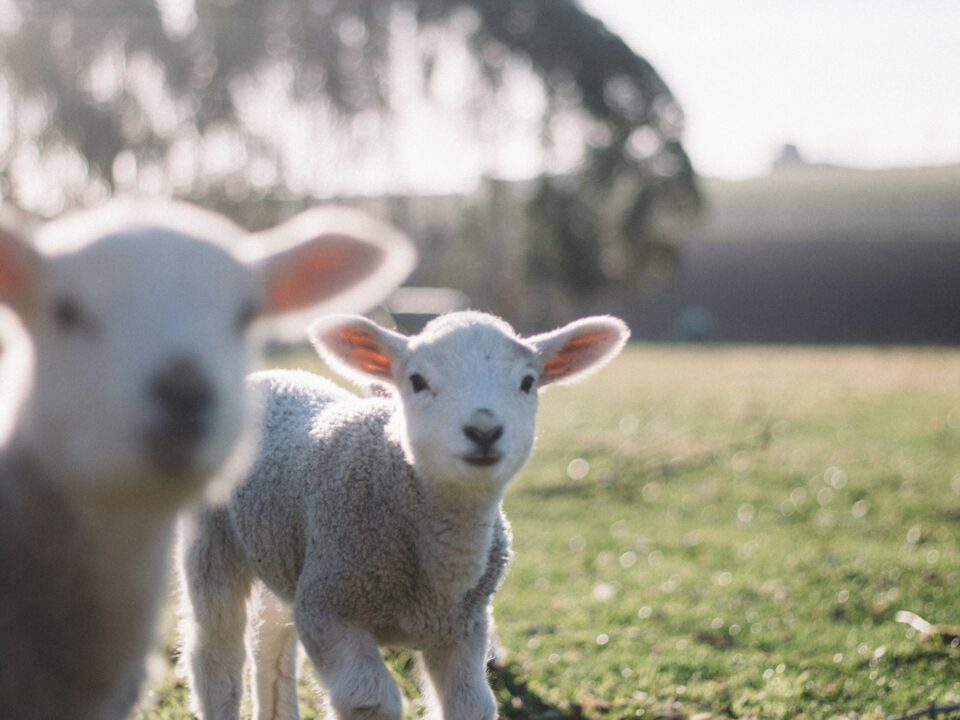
[(130, 400), (375, 522)]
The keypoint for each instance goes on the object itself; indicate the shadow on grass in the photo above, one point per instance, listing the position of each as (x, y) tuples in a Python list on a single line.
[(518, 702), (932, 656), (515, 699)]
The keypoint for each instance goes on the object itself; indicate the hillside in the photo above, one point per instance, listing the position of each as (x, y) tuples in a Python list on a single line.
[(825, 203)]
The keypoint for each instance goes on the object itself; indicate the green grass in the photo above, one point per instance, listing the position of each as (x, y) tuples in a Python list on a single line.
[(728, 533)]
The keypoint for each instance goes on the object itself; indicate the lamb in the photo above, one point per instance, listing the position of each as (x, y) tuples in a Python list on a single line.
[(369, 522), (131, 349)]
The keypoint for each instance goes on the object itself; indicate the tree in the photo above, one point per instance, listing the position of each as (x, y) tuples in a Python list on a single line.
[(110, 88)]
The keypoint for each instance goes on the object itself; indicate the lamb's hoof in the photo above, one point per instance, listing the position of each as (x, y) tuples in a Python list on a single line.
[(369, 712), (388, 707)]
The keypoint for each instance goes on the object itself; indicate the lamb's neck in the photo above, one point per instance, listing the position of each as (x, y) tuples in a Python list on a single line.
[(125, 540), (129, 553), (131, 541), (458, 525), (107, 564)]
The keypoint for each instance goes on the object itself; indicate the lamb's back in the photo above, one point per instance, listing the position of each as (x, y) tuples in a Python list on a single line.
[(326, 481)]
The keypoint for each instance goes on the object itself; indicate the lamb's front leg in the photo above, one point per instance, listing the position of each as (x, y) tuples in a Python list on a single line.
[(458, 680), (216, 587), (272, 647), (348, 662)]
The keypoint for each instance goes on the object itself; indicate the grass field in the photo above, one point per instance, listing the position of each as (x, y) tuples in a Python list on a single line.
[(712, 533)]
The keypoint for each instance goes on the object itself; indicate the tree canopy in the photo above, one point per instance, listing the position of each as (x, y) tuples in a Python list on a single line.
[(114, 87)]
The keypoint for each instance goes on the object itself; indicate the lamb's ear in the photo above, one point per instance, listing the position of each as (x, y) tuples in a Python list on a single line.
[(356, 347), (578, 349), (329, 260), (19, 270)]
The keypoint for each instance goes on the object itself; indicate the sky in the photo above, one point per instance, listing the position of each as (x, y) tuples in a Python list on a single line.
[(870, 83)]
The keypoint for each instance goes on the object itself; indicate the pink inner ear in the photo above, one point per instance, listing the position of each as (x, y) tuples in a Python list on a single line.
[(11, 276), (359, 350), (321, 270), (13, 273), (577, 353)]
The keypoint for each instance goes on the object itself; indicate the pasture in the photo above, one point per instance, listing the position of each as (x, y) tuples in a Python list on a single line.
[(728, 533)]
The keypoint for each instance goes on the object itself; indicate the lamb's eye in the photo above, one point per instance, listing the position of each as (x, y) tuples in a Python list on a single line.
[(67, 315), (526, 385), (418, 383)]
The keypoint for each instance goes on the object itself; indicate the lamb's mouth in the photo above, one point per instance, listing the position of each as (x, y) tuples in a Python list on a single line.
[(482, 459), (174, 447)]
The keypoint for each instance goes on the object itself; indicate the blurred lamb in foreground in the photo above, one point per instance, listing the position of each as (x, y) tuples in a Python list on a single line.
[(375, 521), (129, 402)]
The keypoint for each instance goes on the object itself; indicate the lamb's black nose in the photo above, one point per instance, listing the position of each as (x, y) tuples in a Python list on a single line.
[(183, 398), (485, 438), (182, 390)]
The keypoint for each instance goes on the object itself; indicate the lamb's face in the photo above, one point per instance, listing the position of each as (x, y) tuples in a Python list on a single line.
[(468, 385), (138, 315), (141, 335), (469, 400)]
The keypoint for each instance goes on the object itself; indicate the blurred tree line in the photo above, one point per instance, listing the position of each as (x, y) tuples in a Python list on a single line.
[(105, 95)]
